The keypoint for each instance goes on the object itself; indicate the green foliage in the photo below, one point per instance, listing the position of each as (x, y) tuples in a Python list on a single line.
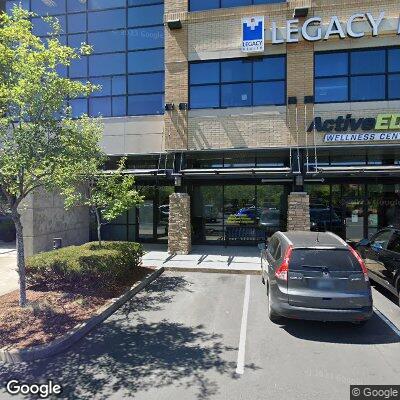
[(88, 265)]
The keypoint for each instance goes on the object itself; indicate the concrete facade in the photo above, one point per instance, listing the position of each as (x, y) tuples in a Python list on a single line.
[(44, 218)]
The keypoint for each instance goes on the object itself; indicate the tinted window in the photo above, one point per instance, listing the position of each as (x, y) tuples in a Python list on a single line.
[(76, 5), (394, 60), (236, 95), (269, 68), (79, 107), (198, 5), (334, 260), (394, 87), (76, 40), (394, 244), (381, 239), (119, 106), (204, 96), (107, 64), (146, 104), (236, 71), (107, 42), (100, 106), (331, 90), (76, 23), (99, 4), (331, 64), (146, 38), (78, 68), (146, 61), (268, 93), (146, 83), (367, 62), (144, 16), (202, 73), (41, 7), (278, 252), (368, 87), (272, 246), (118, 85), (106, 20), (42, 28)]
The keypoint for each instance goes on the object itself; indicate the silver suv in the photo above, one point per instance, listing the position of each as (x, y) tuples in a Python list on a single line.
[(315, 276)]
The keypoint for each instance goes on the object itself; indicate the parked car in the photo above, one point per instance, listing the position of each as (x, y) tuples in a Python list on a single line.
[(315, 276), (381, 255)]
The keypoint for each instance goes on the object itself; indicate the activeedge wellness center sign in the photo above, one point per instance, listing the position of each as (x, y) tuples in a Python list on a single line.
[(385, 127), (313, 29)]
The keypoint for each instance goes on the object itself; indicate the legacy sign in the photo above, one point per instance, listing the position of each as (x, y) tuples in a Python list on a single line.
[(385, 127), (313, 30)]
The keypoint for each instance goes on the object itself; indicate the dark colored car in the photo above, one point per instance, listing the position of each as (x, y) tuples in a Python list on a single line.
[(315, 276), (381, 255)]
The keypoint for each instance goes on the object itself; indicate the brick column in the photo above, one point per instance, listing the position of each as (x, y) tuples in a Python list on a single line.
[(179, 231), (298, 212)]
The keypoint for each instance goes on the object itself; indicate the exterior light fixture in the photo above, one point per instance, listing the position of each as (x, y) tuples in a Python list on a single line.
[(174, 24), (178, 181), (183, 106), (308, 99), (292, 100), (169, 106), (300, 12)]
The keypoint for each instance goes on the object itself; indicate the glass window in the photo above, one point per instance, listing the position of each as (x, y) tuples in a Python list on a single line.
[(146, 83), (119, 106), (76, 23), (143, 2), (105, 84), (394, 87), (11, 4), (76, 40), (78, 68), (394, 243), (109, 41), (100, 106), (146, 38), (236, 71), (331, 90), (269, 93), (368, 61), (204, 96), (118, 85), (269, 68), (198, 5), (99, 4), (381, 240), (107, 64), (42, 28), (41, 7), (368, 88), (236, 95), (146, 61), (106, 20), (394, 60), (76, 5), (79, 107), (202, 73), (146, 104), (145, 16), (331, 64), (234, 3)]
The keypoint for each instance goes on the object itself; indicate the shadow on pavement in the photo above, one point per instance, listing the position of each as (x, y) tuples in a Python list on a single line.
[(373, 332), (130, 355)]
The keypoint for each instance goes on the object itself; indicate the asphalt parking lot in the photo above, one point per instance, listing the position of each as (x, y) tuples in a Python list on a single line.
[(207, 336)]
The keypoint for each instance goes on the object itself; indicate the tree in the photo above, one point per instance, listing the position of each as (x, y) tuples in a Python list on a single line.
[(41, 145), (107, 194)]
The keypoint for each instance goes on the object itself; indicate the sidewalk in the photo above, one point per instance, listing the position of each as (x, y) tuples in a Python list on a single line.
[(232, 259), (8, 268)]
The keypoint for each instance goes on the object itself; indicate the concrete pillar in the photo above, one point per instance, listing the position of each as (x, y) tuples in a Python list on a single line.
[(298, 212), (179, 230)]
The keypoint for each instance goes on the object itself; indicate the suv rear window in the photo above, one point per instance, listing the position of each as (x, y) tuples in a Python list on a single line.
[(334, 260)]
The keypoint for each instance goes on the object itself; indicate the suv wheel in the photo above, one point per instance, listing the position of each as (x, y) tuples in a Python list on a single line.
[(271, 314)]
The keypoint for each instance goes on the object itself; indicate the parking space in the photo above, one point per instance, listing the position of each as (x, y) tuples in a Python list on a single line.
[(181, 339)]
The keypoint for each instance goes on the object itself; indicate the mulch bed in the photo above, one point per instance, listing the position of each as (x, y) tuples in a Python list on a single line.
[(51, 313)]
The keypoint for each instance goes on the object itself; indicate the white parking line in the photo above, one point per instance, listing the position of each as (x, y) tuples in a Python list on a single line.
[(387, 321), (243, 329)]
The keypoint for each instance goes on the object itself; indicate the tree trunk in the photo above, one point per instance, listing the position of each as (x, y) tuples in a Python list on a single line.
[(20, 258), (98, 220)]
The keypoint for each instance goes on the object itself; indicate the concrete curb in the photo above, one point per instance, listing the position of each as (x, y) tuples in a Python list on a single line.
[(214, 270), (14, 356)]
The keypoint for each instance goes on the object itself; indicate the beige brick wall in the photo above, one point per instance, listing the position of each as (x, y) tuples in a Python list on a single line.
[(216, 34)]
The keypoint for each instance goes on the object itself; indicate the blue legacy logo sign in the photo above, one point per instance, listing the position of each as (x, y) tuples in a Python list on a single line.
[(253, 34)]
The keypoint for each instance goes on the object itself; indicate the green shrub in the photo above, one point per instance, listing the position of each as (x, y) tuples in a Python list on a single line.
[(88, 265)]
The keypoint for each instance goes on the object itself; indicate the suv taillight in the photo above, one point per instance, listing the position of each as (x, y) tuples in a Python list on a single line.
[(361, 262), (282, 272)]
